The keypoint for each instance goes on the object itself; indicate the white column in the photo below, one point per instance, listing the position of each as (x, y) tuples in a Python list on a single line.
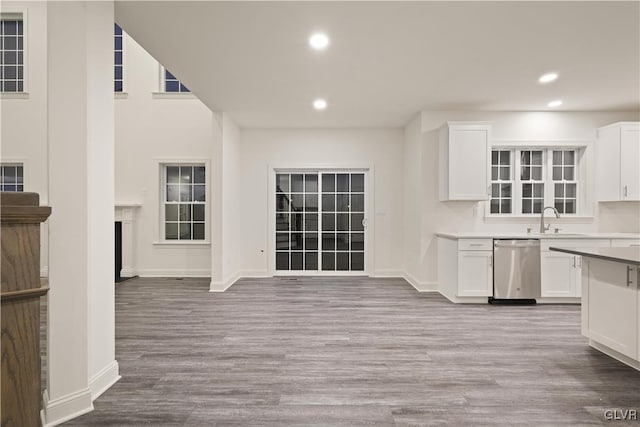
[(81, 316), (126, 214)]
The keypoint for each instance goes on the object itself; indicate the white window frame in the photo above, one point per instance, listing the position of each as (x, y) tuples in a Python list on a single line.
[(547, 147), (162, 164), (20, 13), (369, 172)]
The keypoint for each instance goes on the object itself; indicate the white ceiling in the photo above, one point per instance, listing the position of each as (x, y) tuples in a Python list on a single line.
[(389, 60)]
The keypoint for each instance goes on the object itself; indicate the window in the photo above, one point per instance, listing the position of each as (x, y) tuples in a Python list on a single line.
[(11, 54), (184, 202), (565, 185), (523, 181), (11, 177), (118, 80), (172, 84)]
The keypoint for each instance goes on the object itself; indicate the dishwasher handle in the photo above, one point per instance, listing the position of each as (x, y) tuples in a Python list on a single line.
[(517, 244)]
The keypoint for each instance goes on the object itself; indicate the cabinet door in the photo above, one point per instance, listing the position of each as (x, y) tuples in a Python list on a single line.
[(559, 274), (629, 156), (613, 306), (468, 162), (475, 273)]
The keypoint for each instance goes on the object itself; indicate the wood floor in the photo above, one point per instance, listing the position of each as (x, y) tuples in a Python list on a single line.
[(350, 351)]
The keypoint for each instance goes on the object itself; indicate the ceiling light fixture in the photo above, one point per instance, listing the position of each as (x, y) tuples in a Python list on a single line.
[(319, 104), (555, 103), (548, 78), (319, 41)]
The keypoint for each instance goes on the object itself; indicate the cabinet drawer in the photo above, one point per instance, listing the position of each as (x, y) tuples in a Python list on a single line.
[(545, 244), (625, 243), (475, 244)]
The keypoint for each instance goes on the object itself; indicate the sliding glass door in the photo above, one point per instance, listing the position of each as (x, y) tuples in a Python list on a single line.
[(320, 221)]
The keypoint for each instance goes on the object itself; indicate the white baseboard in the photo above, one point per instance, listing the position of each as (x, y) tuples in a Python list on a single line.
[(128, 272), (217, 286), (174, 273), (388, 273), (419, 285), (65, 408), (104, 379)]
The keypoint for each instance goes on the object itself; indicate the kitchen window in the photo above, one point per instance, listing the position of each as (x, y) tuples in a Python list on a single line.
[(524, 180), (184, 202)]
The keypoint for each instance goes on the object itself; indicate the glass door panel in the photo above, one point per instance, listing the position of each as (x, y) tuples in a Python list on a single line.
[(297, 221), (320, 221)]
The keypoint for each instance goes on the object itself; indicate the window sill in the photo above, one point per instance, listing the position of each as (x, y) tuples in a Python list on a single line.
[(14, 95), (120, 95), (566, 219), (173, 95), (183, 243)]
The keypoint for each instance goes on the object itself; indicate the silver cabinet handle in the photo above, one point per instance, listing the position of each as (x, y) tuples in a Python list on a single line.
[(629, 270), (475, 244), (574, 262), (490, 260), (625, 191)]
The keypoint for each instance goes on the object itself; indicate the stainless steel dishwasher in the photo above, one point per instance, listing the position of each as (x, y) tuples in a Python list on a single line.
[(516, 270)]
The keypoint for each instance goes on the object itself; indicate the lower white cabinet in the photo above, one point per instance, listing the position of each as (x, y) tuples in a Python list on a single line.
[(610, 309), (560, 275), (475, 273)]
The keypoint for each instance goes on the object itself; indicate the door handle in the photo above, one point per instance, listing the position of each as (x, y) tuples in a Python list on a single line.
[(364, 222), (629, 270)]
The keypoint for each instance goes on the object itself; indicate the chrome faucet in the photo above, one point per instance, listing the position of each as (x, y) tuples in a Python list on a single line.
[(542, 227)]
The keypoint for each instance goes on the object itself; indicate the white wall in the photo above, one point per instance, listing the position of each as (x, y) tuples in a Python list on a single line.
[(469, 216), (23, 134), (152, 128), (378, 148)]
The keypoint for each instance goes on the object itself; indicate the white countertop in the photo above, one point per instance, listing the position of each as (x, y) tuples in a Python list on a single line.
[(524, 235), (625, 255)]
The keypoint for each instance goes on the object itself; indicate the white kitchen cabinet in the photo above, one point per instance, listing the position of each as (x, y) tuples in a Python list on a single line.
[(560, 275), (610, 307), (617, 157), (625, 243), (475, 273), (464, 150)]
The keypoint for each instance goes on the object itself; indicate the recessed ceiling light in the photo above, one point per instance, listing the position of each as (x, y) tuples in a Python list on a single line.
[(548, 78), (319, 41), (319, 104), (555, 103)]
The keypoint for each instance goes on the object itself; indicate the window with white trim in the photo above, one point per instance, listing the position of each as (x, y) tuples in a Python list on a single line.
[(11, 53), (524, 180), (171, 84), (118, 59), (11, 177), (184, 202)]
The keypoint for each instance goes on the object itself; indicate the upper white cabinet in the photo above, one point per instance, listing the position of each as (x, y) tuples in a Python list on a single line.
[(464, 150), (617, 158)]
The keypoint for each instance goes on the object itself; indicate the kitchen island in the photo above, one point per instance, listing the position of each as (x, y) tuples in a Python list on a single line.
[(611, 300)]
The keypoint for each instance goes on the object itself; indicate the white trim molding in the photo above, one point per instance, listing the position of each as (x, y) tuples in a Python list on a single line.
[(104, 379), (420, 286), (222, 286), (159, 272), (65, 408)]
